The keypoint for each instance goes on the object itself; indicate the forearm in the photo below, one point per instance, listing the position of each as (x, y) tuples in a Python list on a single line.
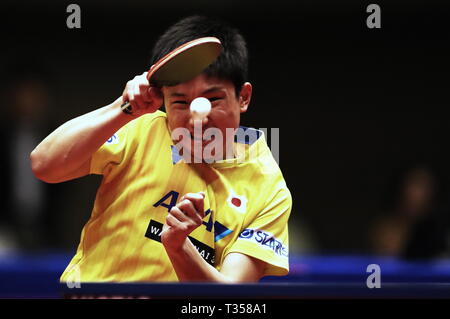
[(74, 142), (190, 266)]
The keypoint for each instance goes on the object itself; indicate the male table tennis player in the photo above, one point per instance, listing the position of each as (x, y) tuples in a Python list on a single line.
[(223, 222)]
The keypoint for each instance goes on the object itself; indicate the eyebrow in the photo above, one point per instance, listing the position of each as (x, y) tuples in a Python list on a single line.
[(211, 89)]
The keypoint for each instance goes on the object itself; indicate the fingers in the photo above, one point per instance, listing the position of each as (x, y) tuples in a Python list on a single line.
[(126, 94), (179, 214), (172, 221), (154, 93), (185, 213), (197, 199), (187, 207), (142, 97), (188, 214), (182, 219), (136, 86)]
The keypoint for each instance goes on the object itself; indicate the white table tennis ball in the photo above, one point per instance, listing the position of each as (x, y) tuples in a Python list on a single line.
[(200, 108)]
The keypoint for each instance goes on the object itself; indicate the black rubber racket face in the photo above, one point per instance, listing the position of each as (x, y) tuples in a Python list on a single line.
[(185, 62)]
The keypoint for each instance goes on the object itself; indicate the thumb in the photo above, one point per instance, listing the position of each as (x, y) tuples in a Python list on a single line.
[(164, 229)]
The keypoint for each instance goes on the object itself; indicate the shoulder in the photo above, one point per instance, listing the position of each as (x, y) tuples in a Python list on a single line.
[(266, 171), (150, 117), (146, 120), (146, 123), (132, 133)]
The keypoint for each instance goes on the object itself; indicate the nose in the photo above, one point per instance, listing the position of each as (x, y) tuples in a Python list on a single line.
[(200, 108)]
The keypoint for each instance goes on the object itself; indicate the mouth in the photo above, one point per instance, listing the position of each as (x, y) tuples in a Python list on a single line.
[(199, 138), (201, 146)]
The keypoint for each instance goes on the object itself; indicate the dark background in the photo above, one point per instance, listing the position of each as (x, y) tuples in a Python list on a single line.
[(354, 105)]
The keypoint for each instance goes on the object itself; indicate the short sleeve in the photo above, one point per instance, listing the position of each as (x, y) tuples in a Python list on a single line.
[(266, 237), (111, 152)]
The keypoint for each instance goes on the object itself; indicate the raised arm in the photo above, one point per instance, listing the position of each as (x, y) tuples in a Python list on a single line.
[(66, 153)]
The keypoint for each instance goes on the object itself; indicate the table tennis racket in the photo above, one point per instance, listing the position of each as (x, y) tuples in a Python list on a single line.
[(182, 64)]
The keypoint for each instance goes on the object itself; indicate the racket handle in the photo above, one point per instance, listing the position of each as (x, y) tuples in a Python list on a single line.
[(126, 108)]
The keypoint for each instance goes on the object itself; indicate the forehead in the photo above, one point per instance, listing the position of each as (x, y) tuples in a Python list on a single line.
[(198, 85)]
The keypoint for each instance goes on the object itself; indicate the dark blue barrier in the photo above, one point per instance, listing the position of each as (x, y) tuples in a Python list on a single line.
[(354, 269), (32, 275), (37, 276), (272, 290)]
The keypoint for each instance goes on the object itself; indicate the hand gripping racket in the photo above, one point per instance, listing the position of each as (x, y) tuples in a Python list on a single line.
[(182, 64)]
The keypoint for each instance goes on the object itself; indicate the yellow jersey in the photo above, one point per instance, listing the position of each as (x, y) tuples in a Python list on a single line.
[(247, 206)]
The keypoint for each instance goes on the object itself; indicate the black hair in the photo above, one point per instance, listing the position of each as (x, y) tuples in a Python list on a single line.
[(232, 64)]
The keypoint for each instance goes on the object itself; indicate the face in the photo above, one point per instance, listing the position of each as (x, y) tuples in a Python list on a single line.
[(418, 191), (226, 107)]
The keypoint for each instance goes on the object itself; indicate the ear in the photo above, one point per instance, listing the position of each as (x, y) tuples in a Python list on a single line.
[(245, 96)]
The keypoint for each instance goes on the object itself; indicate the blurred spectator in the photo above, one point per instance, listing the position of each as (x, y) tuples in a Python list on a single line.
[(302, 240), (413, 224), (25, 103)]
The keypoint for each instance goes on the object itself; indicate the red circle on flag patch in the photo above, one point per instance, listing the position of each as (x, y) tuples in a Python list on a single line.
[(236, 201)]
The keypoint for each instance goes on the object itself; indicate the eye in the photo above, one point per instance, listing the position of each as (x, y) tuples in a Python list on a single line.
[(212, 99), (179, 102)]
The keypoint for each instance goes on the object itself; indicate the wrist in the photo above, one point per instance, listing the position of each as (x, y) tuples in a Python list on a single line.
[(119, 114), (173, 246)]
